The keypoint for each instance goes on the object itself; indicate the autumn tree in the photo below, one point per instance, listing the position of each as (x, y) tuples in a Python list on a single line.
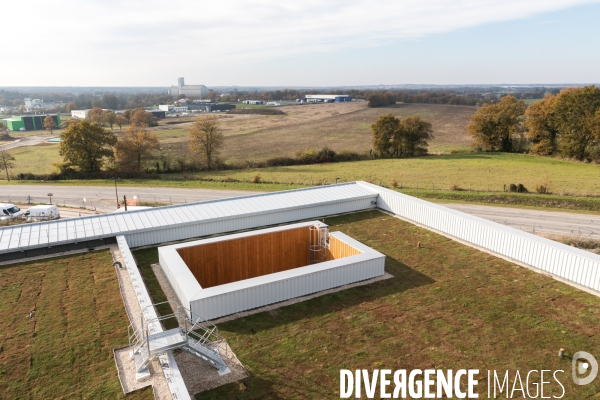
[(121, 120), (541, 127), (96, 115), (49, 123), (86, 146), (6, 160), (141, 117), (134, 147), (206, 139), (497, 127), (384, 132), (401, 138), (575, 116), (109, 117), (412, 137), (70, 107)]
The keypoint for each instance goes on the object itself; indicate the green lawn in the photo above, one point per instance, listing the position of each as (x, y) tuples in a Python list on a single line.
[(38, 159), (65, 350), (448, 306)]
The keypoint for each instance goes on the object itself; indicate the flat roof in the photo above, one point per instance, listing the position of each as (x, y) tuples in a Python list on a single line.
[(52, 233)]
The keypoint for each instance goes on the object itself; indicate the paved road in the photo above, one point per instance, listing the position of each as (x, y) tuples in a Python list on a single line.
[(27, 141), (104, 199), (538, 222)]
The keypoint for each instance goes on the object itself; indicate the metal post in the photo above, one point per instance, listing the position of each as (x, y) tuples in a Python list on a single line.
[(116, 193)]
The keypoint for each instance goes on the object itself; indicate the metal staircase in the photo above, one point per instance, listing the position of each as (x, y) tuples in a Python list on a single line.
[(192, 335)]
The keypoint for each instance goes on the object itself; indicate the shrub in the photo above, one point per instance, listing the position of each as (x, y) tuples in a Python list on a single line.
[(257, 179), (542, 189), (517, 188), (394, 183)]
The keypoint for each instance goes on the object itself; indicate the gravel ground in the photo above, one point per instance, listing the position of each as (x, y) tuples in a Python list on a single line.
[(125, 365), (198, 375)]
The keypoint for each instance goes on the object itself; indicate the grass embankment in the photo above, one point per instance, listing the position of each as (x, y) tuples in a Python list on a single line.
[(65, 350), (448, 307)]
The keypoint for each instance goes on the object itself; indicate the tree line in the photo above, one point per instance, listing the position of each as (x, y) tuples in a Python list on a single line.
[(566, 124), (87, 147)]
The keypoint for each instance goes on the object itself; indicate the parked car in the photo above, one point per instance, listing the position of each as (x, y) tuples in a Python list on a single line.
[(8, 211), (42, 213), (184, 114)]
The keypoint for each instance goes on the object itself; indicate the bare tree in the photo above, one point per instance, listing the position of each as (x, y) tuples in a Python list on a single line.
[(6, 160), (206, 139)]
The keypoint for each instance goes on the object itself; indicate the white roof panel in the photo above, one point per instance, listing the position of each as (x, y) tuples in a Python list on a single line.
[(22, 237)]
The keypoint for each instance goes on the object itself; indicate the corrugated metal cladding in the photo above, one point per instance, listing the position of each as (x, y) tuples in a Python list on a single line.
[(251, 220), (163, 224), (274, 292), (555, 258)]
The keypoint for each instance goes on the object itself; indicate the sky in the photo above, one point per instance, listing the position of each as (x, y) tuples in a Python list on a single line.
[(299, 43)]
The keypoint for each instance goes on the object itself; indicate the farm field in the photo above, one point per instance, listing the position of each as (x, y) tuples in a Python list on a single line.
[(448, 306), (65, 350), (258, 137)]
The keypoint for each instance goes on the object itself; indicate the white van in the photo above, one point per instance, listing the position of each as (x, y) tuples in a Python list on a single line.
[(8, 211), (42, 213)]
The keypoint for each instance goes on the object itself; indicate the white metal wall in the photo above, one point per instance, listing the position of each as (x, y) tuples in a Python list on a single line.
[(256, 292), (566, 262), (302, 285), (248, 221)]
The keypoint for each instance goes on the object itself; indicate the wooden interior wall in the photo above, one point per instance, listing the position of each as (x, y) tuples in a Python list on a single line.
[(338, 249), (229, 261)]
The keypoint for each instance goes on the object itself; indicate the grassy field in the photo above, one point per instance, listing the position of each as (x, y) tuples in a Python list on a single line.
[(448, 306), (38, 159), (478, 171), (65, 350)]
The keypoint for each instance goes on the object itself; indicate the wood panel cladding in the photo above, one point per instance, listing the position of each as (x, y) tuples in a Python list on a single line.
[(338, 249), (233, 260)]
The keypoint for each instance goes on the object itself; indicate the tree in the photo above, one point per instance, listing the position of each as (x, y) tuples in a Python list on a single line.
[(109, 117), (541, 127), (6, 160), (96, 115), (395, 138), (136, 146), (141, 117), (70, 107), (494, 127), (412, 137), (206, 139), (384, 131), (86, 146), (575, 119), (121, 120), (49, 123)]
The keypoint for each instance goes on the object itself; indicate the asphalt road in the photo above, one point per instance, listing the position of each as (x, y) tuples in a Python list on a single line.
[(103, 198), (535, 221)]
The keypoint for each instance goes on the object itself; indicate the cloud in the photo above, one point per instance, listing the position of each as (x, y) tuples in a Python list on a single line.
[(152, 33)]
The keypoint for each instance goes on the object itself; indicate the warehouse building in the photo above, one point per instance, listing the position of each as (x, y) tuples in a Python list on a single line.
[(157, 113), (327, 98), (18, 123), (208, 107), (199, 91)]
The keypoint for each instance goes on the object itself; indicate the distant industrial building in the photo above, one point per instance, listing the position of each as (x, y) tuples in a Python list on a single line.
[(327, 98), (157, 113), (255, 102), (28, 122), (38, 104), (81, 114), (202, 106), (188, 90)]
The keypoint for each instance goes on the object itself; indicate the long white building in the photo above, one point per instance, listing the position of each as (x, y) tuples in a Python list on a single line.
[(199, 91)]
